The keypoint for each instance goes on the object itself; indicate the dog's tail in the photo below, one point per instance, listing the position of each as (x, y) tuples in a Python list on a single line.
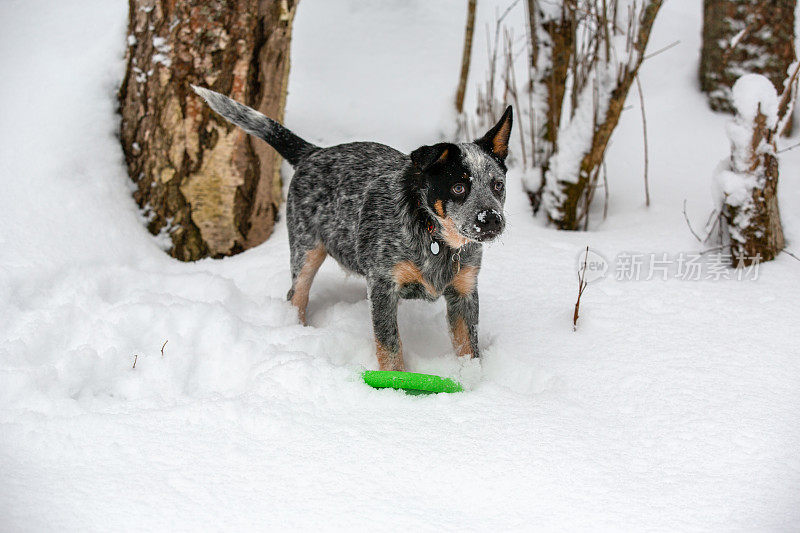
[(289, 145)]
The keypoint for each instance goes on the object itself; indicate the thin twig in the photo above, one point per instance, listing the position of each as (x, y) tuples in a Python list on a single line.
[(162, 347), (507, 11), (644, 134), (785, 103), (710, 218), (685, 216), (581, 287), (792, 147), (605, 190), (716, 217), (510, 78), (661, 50), (713, 249), (787, 252), (135, 358)]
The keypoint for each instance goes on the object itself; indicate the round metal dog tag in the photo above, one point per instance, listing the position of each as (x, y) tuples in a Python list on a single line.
[(434, 247)]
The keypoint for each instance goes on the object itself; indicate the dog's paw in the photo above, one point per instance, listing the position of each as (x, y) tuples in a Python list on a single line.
[(469, 371)]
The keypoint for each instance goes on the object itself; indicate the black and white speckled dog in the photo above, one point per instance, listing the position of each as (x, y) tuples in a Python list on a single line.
[(411, 225)]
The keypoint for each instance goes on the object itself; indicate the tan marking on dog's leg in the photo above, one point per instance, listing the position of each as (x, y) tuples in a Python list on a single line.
[(388, 360), (302, 285), (464, 281), (406, 272), (460, 336)]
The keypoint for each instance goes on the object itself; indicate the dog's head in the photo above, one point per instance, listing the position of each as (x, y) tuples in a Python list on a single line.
[(464, 185)]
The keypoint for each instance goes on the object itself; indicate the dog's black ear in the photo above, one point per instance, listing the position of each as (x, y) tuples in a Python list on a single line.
[(496, 139), (426, 157)]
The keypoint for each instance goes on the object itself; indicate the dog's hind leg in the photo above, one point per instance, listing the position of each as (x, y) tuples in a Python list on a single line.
[(305, 263), (384, 299), (462, 312)]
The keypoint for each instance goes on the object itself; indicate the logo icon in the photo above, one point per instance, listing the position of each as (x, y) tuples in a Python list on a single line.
[(593, 265)]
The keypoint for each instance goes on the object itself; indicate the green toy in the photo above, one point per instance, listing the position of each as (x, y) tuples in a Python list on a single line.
[(410, 382)]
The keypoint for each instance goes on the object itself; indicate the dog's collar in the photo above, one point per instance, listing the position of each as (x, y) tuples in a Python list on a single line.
[(435, 247), (434, 243), (430, 226)]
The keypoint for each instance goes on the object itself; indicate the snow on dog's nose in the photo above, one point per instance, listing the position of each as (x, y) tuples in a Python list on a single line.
[(488, 224)]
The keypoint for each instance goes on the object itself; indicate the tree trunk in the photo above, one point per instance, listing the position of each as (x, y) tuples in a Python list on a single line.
[(200, 181), (750, 183), (466, 56), (761, 237), (745, 36), (555, 41)]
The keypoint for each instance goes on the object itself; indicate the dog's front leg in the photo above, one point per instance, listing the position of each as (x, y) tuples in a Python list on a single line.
[(462, 317), (383, 302)]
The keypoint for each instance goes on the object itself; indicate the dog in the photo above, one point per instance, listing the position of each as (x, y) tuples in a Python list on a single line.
[(412, 225)]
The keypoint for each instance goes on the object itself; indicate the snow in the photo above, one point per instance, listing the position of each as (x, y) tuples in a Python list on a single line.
[(736, 39), (162, 49), (673, 407), (735, 189), (754, 93), (550, 11)]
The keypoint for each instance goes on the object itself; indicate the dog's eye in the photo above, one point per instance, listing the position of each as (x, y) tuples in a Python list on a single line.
[(458, 189), (498, 186)]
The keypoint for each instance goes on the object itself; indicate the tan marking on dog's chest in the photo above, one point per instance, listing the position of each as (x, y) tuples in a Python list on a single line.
[(449, 232), (464, 281), (406, 272), (451, 235)]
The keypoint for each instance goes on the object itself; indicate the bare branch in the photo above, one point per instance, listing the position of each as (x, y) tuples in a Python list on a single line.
[(605, 190), (788, 148), (787, 252), (686, 217), (662, 50), (644, 134), (581, 287), (787, 98)]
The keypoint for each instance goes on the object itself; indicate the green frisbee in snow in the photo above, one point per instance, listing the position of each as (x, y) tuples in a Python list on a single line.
[(410, 382)]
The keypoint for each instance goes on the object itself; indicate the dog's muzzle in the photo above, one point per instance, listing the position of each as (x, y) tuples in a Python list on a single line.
[(488, 225)]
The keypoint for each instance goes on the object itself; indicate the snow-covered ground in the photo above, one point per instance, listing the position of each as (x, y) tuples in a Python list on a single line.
[(673, 407)]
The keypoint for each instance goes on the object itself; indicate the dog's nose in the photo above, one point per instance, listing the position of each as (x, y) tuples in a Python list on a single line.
[(490, 221)]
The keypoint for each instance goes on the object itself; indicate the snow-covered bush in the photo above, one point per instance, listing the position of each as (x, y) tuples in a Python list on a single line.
[(582, 58), (604, 57)]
